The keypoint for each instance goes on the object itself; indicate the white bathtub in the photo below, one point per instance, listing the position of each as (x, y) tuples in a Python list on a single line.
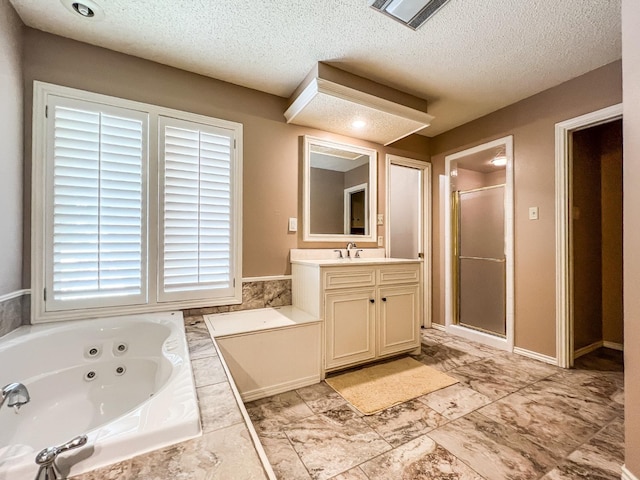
[(140, 396)]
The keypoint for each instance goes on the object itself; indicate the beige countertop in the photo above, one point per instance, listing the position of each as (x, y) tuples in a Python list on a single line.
[(341, 262)]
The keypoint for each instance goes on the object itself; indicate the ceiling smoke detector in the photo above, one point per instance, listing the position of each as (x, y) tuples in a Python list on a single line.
[(85, 8), (412, 13)]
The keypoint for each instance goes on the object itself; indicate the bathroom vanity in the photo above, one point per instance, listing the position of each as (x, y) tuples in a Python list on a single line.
[(370, 305)]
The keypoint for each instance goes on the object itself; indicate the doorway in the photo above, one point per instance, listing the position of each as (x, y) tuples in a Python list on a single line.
[(589, 225), (479, 243), (355, 208), (408, 225)]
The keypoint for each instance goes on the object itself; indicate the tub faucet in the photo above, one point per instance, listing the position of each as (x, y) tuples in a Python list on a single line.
[(15, 394), (46, 459), (350, 246)]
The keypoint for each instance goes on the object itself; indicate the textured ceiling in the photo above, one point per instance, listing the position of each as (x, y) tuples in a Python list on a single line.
[(471, 58)]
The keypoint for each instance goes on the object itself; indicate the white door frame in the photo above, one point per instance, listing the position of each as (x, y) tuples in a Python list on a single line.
[(425, 235), (481, 337), (564, 251)]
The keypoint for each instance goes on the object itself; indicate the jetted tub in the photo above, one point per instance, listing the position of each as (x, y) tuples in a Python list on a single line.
[(125, 382)]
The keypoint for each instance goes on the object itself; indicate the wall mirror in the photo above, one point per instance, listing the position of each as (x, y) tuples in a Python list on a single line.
[(339, 192)]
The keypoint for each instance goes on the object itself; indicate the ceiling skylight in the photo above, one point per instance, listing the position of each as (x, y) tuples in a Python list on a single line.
[(412, 13)]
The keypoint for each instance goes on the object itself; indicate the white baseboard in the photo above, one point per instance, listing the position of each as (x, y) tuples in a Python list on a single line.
[(613, 345), (17, 293), (535, 355), (259, 393), (588, 349), (627, 475), (437, 326)]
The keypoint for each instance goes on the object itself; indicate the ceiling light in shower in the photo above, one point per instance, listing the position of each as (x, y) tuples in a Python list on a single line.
[(412, 13), (358, 123), (499, 161)]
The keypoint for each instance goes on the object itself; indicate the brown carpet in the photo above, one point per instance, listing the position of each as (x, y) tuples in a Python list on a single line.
[(372, 389)]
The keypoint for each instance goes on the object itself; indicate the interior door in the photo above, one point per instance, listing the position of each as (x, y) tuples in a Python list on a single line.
[(405, 198), (408, 207)]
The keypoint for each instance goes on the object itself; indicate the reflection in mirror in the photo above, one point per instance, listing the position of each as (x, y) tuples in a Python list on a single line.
[(338, 188)]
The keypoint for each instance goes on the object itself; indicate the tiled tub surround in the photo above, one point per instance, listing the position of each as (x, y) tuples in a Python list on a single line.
[(225, 450), (14, 312), (257, 294), (509, 418)]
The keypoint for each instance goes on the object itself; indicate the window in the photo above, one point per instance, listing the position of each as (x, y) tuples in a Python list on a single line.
[(136, 207), (196, 205)]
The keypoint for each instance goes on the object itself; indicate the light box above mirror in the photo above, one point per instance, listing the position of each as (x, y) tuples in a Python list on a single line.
[(338, 192), (337, 101)]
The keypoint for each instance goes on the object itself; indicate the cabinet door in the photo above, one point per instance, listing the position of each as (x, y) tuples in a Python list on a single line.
[(399, 319), (350, 327)]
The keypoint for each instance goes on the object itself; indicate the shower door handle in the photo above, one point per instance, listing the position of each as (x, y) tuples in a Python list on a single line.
[(489, 259)]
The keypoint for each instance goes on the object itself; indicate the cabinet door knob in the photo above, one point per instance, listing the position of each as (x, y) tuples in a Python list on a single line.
[(372, 300), (384, 299)]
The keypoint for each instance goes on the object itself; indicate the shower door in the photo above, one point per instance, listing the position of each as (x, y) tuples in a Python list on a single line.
[(479, 259)]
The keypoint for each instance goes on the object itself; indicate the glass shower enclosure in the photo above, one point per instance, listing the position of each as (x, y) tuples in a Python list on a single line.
[(479, 263)]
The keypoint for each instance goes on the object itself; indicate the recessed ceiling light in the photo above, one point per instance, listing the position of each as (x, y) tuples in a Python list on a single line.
[(84, 8), (499, 161), (358, 124)]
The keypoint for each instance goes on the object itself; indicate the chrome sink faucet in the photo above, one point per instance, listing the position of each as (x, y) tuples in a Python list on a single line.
[(15, 394), (350, 246)]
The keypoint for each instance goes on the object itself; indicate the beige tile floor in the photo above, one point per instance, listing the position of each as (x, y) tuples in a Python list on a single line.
[(509, 418)]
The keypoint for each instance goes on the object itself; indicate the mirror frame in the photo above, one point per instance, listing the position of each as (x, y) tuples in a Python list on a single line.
[(371, 199)]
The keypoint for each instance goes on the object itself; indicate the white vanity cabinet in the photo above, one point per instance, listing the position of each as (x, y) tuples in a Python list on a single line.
[(371, 309)]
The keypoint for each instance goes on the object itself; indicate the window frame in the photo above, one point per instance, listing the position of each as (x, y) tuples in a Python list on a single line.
[(39, 207)]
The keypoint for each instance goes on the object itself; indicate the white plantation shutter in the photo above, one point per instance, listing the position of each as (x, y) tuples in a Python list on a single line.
[(197, 243), (136, 208), (96, 205)]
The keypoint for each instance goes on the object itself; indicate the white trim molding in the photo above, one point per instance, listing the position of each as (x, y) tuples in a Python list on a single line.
[(627, 475), (535, 355), (12, 295), (438, 326), (564, 283), (613, 345), (587, 349)]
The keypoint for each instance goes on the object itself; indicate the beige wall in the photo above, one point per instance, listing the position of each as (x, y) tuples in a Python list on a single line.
[(272, 148), (11, 101), (326, 204), (611, 189), (531, 122), (631, 216), (587, 239)]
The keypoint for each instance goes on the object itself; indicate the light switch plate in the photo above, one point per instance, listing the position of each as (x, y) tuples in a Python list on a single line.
[(293, 224), (533, 213), (380, 241), (381, 219)]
